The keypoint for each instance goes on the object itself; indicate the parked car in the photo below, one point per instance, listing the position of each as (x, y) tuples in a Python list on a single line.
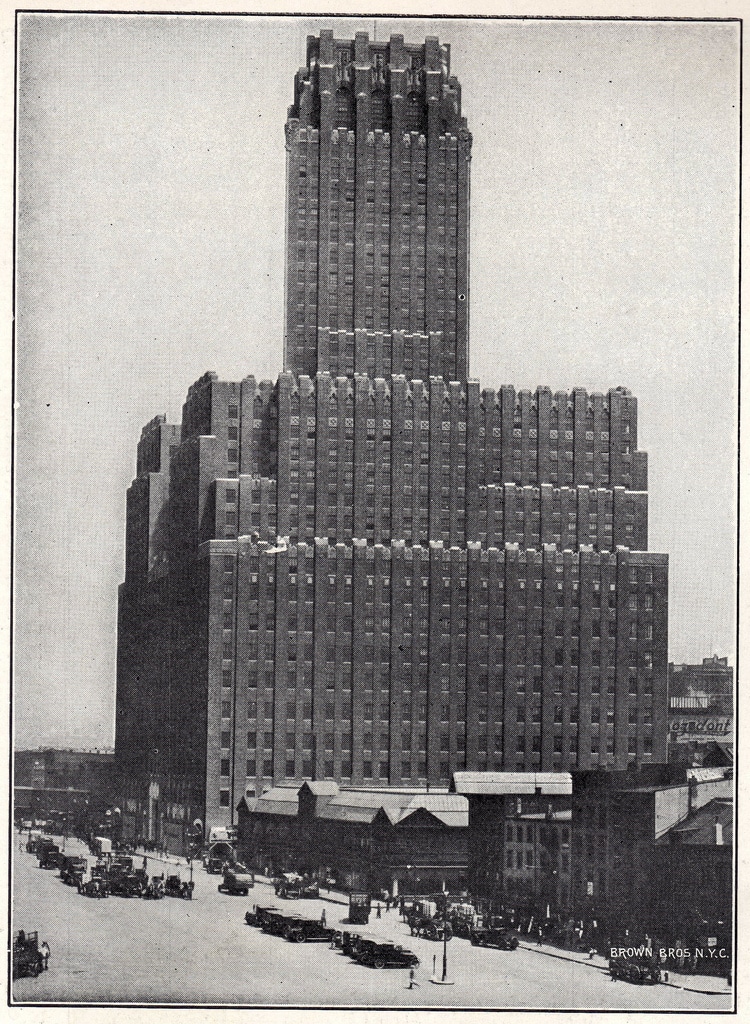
[(72, 870), (306, 930), (27, 960), (127, 885), (494, 935), (258, 915), (638, 968), (385, 954)]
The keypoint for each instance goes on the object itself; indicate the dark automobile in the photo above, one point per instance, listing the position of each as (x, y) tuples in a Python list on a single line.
[(259, 915), (494, 934), (51, 857), (384, 954), (128, 885), (305, 930), (27, 960), (635, 965), (274, 922), (72, 870), (214, 865)]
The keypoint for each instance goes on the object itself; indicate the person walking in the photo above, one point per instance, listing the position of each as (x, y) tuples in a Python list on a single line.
[(44, 952), (539, 935), (323, 919), (412, 982), (379, 915)]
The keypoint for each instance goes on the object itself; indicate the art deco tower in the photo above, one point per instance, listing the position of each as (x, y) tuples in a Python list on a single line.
[(465, 581), (377, 212)]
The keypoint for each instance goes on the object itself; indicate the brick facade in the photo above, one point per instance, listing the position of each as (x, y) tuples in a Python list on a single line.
[(463, 580)]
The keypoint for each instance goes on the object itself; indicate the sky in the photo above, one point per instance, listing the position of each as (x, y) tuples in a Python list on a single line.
[(150, 203)]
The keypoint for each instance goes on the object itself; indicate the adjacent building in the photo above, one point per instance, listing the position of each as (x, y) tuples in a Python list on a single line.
[(519, 838), (631, 866), (373, 571), (380, 840), (701, 711)]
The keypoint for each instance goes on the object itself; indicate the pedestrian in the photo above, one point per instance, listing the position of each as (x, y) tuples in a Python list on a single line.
[(323, 919), (666, 977), (539, 935), (591, 953), (379, 915), (145, 863), (44, 952), (412, 982), (387, 904)]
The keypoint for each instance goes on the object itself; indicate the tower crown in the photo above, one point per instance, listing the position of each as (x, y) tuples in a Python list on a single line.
[(377, 211)]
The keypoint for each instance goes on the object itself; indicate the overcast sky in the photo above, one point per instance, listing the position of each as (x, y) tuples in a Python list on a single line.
[(150, 249)]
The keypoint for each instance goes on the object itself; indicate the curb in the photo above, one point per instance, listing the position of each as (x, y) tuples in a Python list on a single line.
[(597, 967)]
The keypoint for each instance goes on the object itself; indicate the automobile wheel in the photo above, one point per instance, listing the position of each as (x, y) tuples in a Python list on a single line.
[(221, 888), (244, 892), (298, 937), (514, 944), (378, 964)]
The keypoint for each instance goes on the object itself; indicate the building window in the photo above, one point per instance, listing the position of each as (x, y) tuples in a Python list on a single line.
[(224, 798), (225, 767)]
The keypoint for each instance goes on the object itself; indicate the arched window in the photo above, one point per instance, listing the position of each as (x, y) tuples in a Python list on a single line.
[(344, 113), (414, 113)]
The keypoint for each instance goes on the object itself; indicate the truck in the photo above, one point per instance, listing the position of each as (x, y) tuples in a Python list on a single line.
[(101, 846), (238, 881), (27, 960), (359, 908)]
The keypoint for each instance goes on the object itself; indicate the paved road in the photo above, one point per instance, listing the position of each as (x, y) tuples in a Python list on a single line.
[(201, 951)]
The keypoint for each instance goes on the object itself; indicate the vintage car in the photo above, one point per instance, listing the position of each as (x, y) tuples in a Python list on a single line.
[(127, 885), (174, 886), (636, 965), (72, 870), (494, 932), (97, 888), (274, 922), (258, 915), (384, 954), (238, 881), (27, 960), (300, 929), (359, 907)]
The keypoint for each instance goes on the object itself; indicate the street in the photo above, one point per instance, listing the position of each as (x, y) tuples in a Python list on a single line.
[(201, 951)]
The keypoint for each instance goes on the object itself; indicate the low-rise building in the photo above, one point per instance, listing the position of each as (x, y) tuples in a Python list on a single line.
[(621, 822), (519, 837), (399, 841)]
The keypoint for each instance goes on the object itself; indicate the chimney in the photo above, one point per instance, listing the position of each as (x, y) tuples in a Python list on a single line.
[(719, 832)]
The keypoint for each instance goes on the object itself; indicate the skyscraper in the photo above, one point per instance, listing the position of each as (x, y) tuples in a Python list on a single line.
[(371, 570)]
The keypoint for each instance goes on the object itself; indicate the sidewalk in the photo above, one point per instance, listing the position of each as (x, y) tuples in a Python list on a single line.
[(707, 985)]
